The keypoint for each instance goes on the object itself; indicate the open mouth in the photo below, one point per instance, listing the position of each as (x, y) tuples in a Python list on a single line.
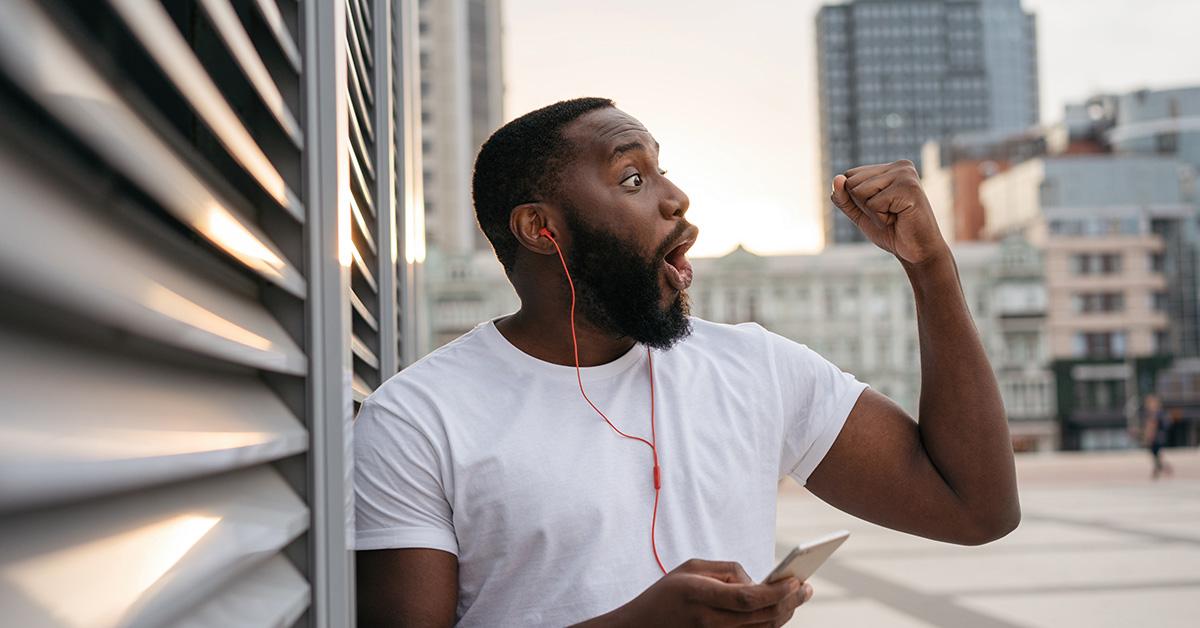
[(678, 268)]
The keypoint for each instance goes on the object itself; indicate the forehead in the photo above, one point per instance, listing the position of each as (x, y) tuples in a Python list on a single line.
[(597, 134)]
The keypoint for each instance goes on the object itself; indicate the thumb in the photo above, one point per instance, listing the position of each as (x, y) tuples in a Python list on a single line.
[(840, 196)]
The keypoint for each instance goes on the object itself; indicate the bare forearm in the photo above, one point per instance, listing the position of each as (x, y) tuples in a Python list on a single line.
[(962, 423)]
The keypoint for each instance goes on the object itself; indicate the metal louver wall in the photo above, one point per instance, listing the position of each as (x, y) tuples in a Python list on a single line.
[(369, 278), (199, 263)]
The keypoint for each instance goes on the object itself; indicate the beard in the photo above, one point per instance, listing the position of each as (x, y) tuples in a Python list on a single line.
[(618, 290)]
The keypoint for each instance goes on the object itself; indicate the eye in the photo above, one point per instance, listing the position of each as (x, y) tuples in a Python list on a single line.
[(632, 181)]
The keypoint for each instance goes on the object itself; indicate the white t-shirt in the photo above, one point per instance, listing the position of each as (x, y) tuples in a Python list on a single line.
[(492, 455)]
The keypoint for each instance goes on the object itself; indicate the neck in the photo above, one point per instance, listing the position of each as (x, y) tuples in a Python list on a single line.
[(544, 332)]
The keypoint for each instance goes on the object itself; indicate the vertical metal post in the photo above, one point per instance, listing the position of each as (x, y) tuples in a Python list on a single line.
[(326, 171), (410, 204), (385, 198)]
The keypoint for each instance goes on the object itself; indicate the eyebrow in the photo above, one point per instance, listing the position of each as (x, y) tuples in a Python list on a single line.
[(621, 149)]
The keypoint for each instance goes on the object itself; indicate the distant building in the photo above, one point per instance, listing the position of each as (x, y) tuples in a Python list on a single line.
[(895, 73), (1160, 122), (463, 291), (954, 167), (952, 171), (1113, 313), (853, 305), (1022, 360), (462, 97)]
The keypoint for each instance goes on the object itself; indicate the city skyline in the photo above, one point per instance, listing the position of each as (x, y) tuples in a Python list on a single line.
[(750, 139)]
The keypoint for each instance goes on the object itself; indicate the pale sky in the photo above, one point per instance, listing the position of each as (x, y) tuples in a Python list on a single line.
[(729, 89)]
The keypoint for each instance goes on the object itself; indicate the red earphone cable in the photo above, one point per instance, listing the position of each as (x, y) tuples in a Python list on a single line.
[(579, 377)]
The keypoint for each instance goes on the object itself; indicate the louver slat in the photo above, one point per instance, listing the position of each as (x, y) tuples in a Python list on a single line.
[(361, 221), (360, 34), (70, 430), (363, 352), (360, 308), (143, 559), (158, 34), (362, 109), (74, 256), (358, 62), (360, 182), (53, 72), (272, 594), (270, 14), (360, 144), (227, 24)]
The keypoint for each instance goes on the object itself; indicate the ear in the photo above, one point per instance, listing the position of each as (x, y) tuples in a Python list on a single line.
[(526, 223)]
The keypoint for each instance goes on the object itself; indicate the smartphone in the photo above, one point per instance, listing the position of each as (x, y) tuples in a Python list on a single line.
[(803, 561)]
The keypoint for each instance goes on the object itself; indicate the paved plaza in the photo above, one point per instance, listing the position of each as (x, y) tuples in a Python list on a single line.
[(1100, 544)]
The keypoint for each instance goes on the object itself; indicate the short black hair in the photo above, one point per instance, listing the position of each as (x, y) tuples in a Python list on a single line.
[(520, 163)]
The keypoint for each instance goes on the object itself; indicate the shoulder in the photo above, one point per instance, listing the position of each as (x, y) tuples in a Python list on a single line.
[(741, 335), (750, 339), (730, 349), (424, 387), (754, 346)]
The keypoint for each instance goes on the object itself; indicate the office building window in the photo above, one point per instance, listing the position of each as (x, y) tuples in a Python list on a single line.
[(1100, 394), (1162, 341), (1100, 344), (1091, 302), (1096, 263), (1081, 264)]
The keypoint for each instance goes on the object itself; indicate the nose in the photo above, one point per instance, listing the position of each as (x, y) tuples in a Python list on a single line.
[(675, 202)]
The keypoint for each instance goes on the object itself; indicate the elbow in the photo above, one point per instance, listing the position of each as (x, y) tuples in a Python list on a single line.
[(992, 527)]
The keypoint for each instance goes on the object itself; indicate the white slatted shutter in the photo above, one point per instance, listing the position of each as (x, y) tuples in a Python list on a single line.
[(199, 262)]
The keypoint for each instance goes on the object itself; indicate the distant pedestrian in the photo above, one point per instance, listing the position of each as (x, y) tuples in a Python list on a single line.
[(1155, 428)]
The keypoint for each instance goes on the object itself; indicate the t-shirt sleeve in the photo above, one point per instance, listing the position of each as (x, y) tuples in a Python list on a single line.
[(816, 398), (399, 497)]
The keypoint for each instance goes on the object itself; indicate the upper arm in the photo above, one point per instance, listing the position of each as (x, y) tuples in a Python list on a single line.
[(877, 469), (406, 587), (400, 496), (406, 562)]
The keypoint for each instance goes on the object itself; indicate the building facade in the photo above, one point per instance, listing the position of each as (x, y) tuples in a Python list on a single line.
[(205, 266), (1162, 122), (1114, 315), (463, 291), (853, 304), (1021, 357), (462, 99), (953, 170), (895, 73)]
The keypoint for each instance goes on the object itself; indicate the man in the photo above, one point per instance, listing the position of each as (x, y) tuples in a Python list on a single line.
[(489, 492), (1157, 426)]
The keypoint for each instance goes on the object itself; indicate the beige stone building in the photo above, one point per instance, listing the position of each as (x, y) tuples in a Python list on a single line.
[(1109, 228), (1098, 220)]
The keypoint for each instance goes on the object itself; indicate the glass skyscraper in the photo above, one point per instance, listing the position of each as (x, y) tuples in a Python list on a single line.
[(895, 73)]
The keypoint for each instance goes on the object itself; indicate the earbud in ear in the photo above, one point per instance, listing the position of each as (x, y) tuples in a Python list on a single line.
[(546, 232)]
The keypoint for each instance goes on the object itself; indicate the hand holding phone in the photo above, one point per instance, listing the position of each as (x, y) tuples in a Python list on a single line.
[(802, 562)]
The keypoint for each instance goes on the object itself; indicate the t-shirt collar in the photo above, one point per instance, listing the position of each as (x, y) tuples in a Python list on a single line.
[(518, 358)]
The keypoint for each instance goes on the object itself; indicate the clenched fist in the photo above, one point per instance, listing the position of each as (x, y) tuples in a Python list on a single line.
[(887, 204)]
